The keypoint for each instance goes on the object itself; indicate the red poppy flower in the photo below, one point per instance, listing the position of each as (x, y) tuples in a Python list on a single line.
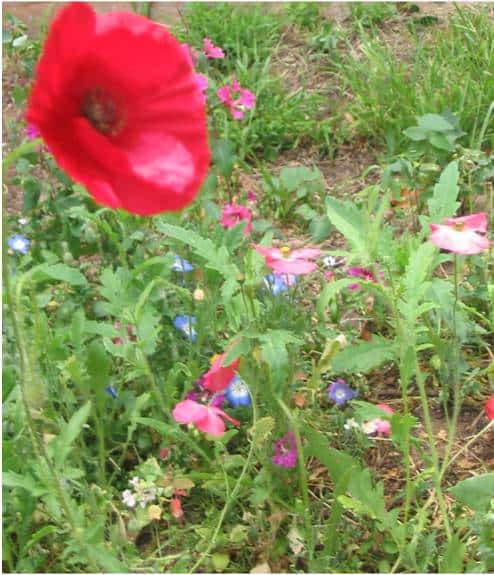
[(117, 103)]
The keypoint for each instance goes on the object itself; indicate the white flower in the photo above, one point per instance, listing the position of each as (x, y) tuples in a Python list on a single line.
[(351, 424), (128, 498), (134, 481), (369, 427)]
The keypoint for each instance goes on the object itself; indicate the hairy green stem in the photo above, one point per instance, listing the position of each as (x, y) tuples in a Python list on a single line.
[(230, 499)]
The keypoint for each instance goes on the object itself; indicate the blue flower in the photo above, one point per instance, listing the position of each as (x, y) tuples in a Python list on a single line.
[(237, 393), (279, 283), (19, 244), (184, 323), (181, 265), (110, 390), (340, 392)]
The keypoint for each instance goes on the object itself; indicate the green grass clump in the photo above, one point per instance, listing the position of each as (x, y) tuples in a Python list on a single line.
[(451, 70)]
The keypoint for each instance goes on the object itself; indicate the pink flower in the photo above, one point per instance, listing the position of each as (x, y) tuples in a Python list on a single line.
[(287, 261), (219, 377), (379, 425), (32, 132), (212, 51), (463, 235), (251, 197), (233, 214), (285, 451), (245, 99), (363, 273), (202, 82), (329, 275), (190, 54), (206, 418), (489, 408), (176, 507)]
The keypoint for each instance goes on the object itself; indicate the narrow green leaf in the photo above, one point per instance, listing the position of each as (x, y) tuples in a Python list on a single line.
[(452, 560)]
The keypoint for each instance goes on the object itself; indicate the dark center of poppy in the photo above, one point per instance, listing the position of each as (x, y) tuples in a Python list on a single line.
[(458, 226), (102, 112)]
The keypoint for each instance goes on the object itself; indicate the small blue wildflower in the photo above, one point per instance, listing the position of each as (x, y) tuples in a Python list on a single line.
[(184, 323), (279, 283), (237, 393), (19, 244), (340, 392), (110, 390), (181, 265)]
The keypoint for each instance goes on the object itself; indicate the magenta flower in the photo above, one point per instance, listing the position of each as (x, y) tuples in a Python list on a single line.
[(190, 54), (212, 51), (463, 235), (251, 197), (244, 100), (202, 82), (233, 214), (207, 418), (285, 451), (32, 132), (287, 261)]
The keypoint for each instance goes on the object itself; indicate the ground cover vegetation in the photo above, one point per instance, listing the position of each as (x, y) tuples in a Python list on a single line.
[(248, 304)]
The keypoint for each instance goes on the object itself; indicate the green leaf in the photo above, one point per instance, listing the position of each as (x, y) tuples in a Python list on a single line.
[(61, 446), (220, 561), (63, 272), (476, 492), (416, 134), (452, 560), (107, 560), (13, 479), (338, 463), (434, 123), (240, 348), (330, 291), (274, 348), (364, 357), (320, 228), (441, 142), (443, 203), (217, 258), (348, 220), (223, 156)]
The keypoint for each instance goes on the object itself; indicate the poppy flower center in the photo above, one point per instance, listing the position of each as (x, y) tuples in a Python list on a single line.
[(102, 112), (285, 251), (458, 226)]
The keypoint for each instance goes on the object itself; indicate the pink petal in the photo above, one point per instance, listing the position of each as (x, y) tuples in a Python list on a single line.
[(296, 267), (189, 411), (473, 222), (211, 422), (202, 82), (273, 253), (223, 94), (247, 99), (220, 412), (464, 242), (236, 114), (385, 408), (306, 253), (382, 426), (235, 85)]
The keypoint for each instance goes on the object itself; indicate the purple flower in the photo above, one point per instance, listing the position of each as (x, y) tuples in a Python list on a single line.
[(32, 132), (340, 392), (111, 391), (285, 451), (202, 395), (19, 244)]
